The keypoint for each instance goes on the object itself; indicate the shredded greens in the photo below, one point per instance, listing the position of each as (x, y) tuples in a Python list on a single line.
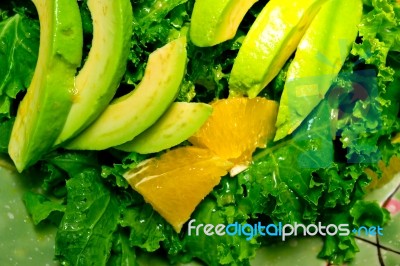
[(318, 174)]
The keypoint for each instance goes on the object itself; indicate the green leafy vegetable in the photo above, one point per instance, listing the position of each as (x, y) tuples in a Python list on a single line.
[(122, 254), (338, 249), (147, 228), (85, 235), (5, 129), (18, 52), (372, 112), (41, 207), (369, 214), (152, 25), (19, 45), (343, 248), (221, 250), (285, 171)]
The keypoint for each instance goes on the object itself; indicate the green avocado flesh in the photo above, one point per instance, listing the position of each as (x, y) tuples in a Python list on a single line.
[(179, 122), (271, 40), (44, 109), (101, 74), (213, 22), (130, 115), (315, 66)]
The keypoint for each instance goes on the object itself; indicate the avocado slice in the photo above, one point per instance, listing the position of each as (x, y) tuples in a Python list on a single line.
[(101, 74), (176, 125), (271, 40), (213, 22), (319, 57), (45, 107), (128, 116)]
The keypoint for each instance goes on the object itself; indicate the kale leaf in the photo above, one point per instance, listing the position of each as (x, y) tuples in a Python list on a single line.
[(19, 39)]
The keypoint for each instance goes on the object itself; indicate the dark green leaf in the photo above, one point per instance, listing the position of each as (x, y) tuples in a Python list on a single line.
[(369, 214), (73, 162), (86, 231), (338, 249), (147, 227), (218, 250), (5, 129), (122, 254), (283, 173), (54, 180), (40, 208)]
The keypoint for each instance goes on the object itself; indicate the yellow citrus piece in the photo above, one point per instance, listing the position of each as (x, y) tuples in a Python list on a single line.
[(237, 127), (177, 182)]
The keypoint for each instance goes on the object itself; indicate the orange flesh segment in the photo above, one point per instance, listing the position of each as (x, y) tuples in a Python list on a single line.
[(178, 181), (237, 127)]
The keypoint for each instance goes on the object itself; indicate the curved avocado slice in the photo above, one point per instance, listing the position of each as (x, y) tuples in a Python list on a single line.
[(269, 43), (44, 109), (101, 74), (131, 114), (179, 122), (213, 22), (319, 57)]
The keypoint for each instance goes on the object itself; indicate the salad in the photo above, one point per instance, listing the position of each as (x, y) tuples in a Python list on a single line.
[(319, 151)]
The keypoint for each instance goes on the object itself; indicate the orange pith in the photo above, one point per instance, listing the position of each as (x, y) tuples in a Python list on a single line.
[(178, 181), (237, 127)]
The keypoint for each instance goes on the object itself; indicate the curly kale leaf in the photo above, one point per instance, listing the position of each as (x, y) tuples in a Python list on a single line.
[(85, 235)]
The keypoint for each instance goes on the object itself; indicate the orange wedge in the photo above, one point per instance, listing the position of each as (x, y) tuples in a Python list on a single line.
[(178, 181), (175, 183), (237, 127)]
